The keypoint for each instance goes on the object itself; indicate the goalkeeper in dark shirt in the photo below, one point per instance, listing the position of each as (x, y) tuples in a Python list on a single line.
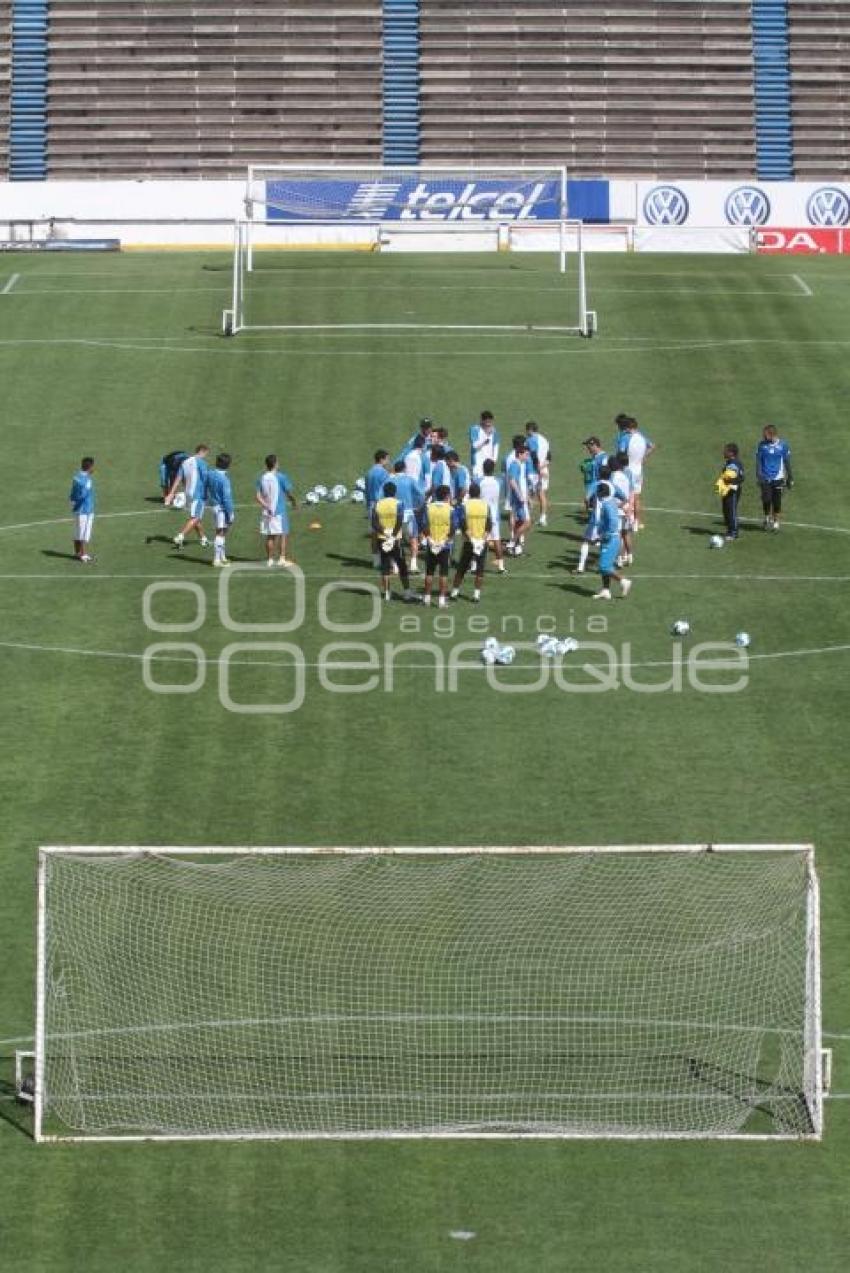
[(728, 487)]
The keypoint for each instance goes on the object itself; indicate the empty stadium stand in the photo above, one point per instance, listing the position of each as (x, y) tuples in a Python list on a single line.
[(163, 88), (5, 84), (634, 88), (819, 37)]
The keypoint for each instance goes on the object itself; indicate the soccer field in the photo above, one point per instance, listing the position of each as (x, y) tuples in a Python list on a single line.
[(120, 357)]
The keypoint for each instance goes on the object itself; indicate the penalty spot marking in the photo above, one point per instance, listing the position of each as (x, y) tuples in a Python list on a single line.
[(462, 1235)]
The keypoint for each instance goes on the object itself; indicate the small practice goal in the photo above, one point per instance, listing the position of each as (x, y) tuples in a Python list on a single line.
[(642, 992)]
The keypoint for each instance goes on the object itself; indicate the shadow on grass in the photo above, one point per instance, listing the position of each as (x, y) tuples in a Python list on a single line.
[(53, 552), (704, 530), (363, 563)]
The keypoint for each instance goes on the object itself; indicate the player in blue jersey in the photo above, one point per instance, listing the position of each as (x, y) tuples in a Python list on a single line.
[(274, 492), (440, 474), (411, 497), (637, 448), (459, 477), (608, 513), (82, 506), (192, 476), (220, 497), (516, 476), (421, 437), (618, 473), (483, 443), (375, 479), (169, 466), (773, 471), (728, 487)]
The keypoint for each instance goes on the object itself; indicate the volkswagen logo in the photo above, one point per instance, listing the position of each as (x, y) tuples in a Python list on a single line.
[(828, 206), (666, 205), (747, 205)]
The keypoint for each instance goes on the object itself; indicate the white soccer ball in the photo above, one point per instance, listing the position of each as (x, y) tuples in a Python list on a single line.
[(742, 639), (681, 627), (320, 490), (716, 541), (566, 646), (179, 500), (488, 657), (549, 648), (340, 491), (357, 497), (505, 654), (311, 498), (491, 644), (333, 496), (360, 484), (543, 638)]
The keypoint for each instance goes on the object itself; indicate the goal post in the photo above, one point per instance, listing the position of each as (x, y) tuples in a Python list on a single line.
[(437, 209), (639, 992)]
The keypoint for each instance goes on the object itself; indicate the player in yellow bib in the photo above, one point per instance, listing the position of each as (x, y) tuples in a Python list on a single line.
[(477, 526), (387, 521), (440, 534)]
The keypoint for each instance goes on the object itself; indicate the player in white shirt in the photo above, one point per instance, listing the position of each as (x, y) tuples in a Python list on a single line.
[(273, 491), (192, 476), (622, 484), (490, 492), (541, 456), (638, 449)]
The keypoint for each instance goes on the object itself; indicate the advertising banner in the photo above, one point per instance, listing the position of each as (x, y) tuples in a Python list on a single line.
[(803, 241), (752, 203)]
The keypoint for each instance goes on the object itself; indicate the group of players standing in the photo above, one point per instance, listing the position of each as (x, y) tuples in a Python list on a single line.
[(426, 496)]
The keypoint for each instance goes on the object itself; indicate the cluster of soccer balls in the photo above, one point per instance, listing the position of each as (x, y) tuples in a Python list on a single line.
[(335, 494), (681, 628), (549, 647)]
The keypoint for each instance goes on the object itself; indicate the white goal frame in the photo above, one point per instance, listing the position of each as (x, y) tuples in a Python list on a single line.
[(816, 1059), (378, 234)]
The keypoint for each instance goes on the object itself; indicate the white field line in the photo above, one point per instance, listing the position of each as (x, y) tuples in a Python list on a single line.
[(10, 284), (803, 285), (158, 510), (400, 666)]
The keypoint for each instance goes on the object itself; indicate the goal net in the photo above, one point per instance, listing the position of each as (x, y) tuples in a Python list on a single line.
[(435, 210), (387, 993)]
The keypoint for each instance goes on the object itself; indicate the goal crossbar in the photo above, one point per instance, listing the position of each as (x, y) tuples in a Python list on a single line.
[(436, 1038)]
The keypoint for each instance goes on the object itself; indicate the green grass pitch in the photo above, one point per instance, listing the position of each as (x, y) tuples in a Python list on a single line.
[(120, 356)]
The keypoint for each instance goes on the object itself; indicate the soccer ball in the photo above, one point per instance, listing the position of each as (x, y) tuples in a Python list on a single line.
[(742, 640), (491, 644), (320, 490), (549, 647), (339, 491), (333, 496), (179, 500), (311, 497), (357, 497), (681, 627), (360, 484), (506, 654), (566, 646), (716, 541), (488, 656)]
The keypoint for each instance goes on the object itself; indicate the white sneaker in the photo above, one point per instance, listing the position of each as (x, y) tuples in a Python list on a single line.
[(543, 520), (270, 561), (85, 558), (603, 595), (205, 543), (222, 561), (177, 541), (626, 586), (455, 593), (414, 566), (281, 561), (774, 525), (442, 603)]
